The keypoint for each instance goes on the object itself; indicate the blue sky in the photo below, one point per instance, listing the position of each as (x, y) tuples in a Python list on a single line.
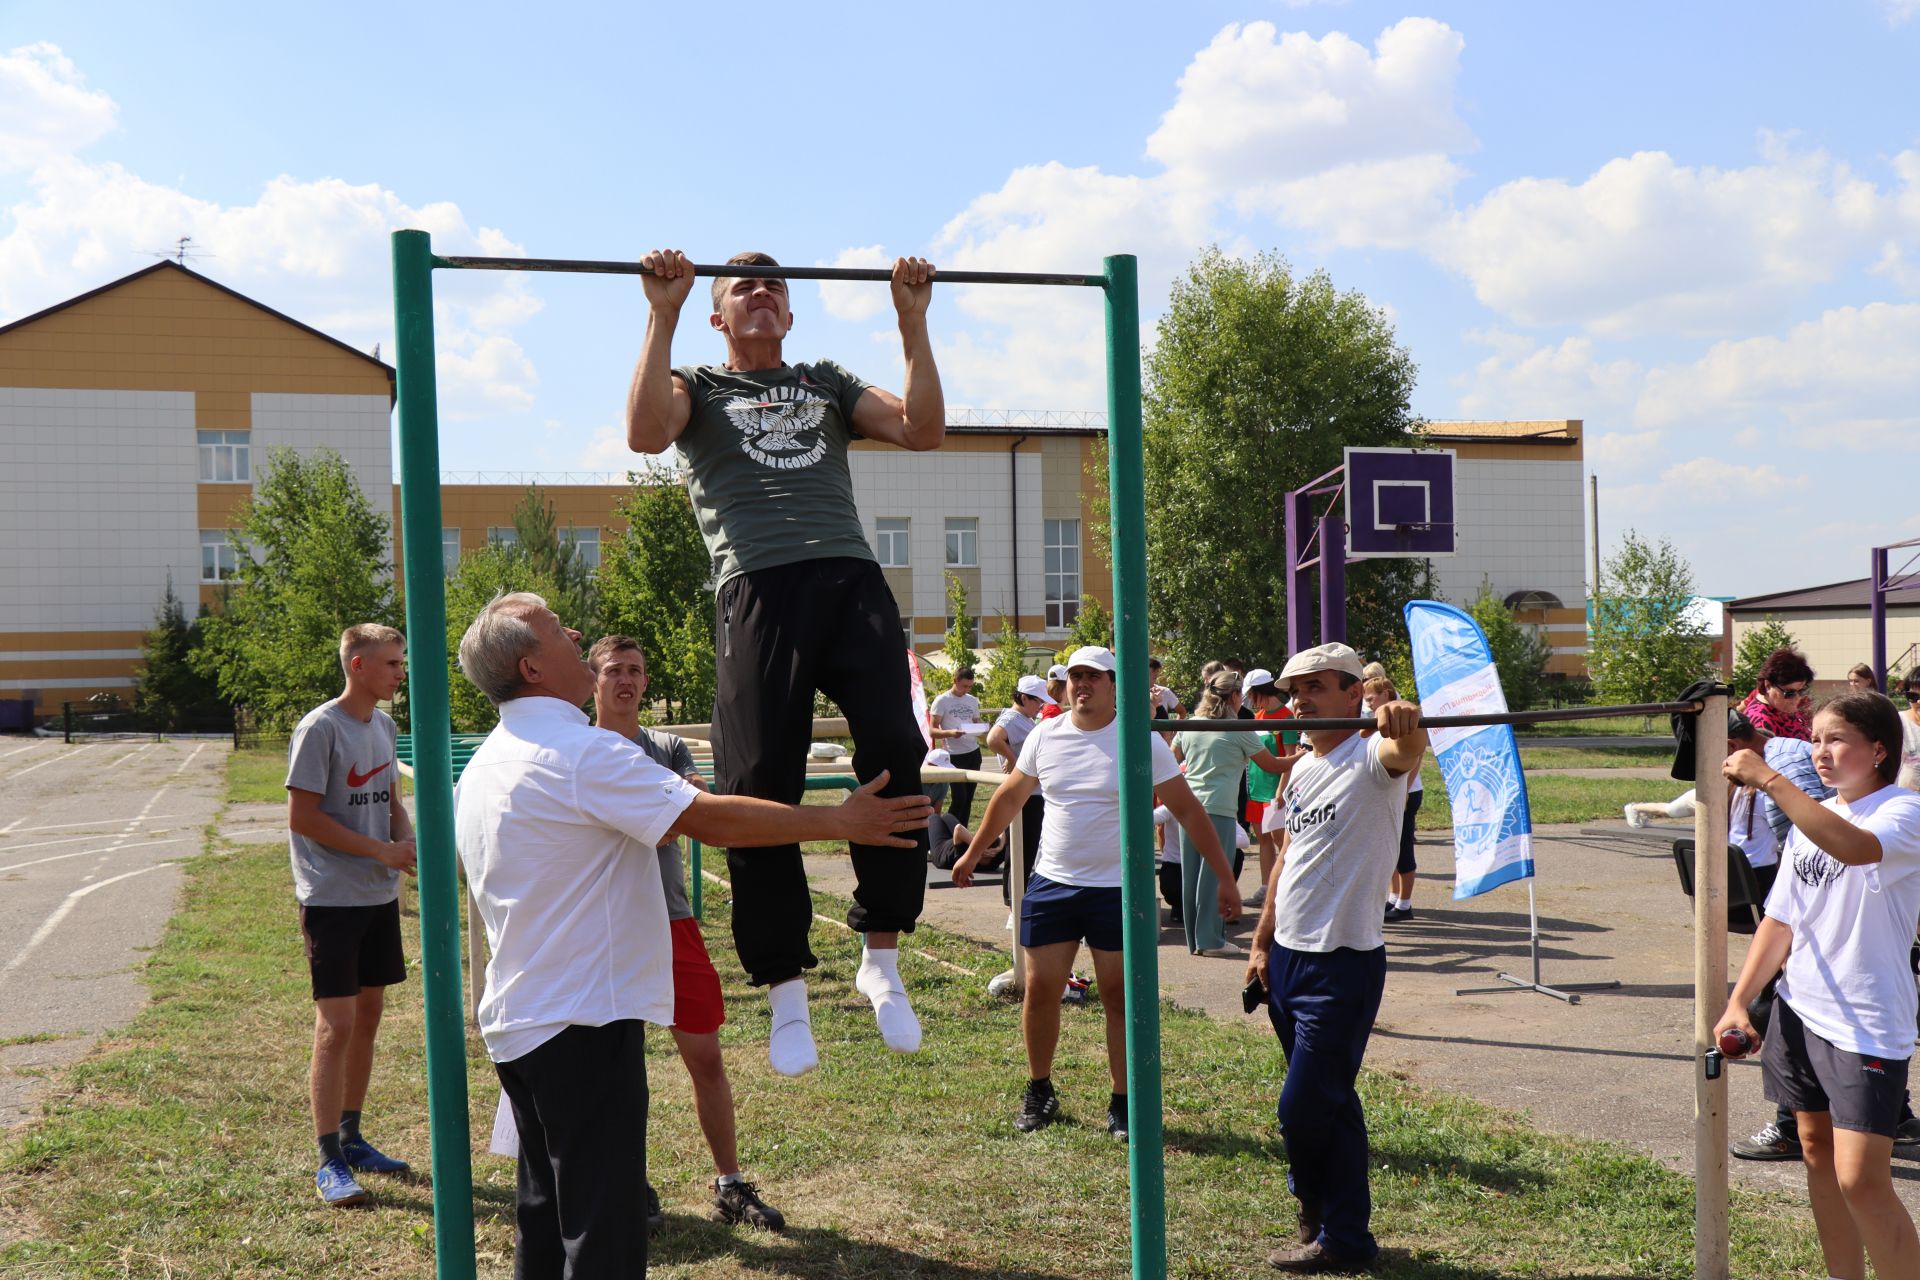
[(1696, 227)]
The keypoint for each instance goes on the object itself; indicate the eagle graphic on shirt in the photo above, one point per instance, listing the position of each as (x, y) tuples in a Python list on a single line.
[(782, 429)]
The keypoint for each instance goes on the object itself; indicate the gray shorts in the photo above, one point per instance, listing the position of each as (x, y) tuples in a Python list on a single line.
[(1806, 1073)]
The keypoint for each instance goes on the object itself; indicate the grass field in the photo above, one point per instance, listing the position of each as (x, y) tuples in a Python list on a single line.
[(180, 1148)]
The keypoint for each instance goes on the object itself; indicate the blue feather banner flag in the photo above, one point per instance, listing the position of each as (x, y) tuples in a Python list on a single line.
[(1486, 788)]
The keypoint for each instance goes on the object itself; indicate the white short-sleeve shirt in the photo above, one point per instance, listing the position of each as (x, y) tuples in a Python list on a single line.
[(1342, 815), (557, 824), (1848, 975), (1079, 773)]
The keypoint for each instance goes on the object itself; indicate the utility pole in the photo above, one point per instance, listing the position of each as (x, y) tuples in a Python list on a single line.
[(1593, 507)]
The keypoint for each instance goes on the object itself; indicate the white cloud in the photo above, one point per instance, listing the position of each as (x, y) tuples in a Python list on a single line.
[(1899, 12), (1648, 245), (1524, 378), (481, 372), (1846, 380), (46, 109), (857, 301), (607, 451)]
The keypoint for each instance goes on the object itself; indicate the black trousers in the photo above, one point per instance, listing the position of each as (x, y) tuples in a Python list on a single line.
[(1020, 861), (780, 634), (961, 805), (580, 1103)]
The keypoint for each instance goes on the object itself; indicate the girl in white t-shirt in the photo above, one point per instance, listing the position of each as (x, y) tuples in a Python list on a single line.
[(1841, 916)]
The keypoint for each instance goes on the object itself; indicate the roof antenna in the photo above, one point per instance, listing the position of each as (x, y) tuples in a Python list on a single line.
[(183, 249)]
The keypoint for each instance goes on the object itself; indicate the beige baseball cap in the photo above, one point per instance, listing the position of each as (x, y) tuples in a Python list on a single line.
[(1322, 657)]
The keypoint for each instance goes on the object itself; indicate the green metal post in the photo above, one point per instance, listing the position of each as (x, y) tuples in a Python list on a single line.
[(428, 701), (1126, 478), (697, 878)]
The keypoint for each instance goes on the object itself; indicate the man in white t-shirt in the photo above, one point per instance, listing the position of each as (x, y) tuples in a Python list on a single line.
[(557, 824), (956, 726), (1073, 894), (1319, 947)]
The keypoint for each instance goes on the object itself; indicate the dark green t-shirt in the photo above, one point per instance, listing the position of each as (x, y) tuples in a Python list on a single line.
[(767, 450)]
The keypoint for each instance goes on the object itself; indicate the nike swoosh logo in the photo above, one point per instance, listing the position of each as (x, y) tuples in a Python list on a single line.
[(361, 779)]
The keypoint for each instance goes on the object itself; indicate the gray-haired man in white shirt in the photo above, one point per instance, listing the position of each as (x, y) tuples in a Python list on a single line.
[(557, 824)]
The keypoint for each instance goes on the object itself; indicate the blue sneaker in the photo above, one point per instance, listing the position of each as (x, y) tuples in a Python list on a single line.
[(364, 1157), (336, 1186)]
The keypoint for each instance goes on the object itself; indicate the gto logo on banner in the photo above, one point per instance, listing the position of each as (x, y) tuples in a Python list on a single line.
[(1492, 826)]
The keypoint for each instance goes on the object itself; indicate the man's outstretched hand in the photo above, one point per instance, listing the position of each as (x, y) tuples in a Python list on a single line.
[(912, 286), (872, 818), (667, 276)]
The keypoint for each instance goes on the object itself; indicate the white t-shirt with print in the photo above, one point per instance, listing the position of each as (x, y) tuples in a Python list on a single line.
[(1909, 754), (956, 711), (1748, 831), (1848, 975), (1079, 774), (1342, 815)]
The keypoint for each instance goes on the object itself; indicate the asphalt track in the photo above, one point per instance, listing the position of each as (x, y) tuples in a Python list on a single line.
[(92, 835)]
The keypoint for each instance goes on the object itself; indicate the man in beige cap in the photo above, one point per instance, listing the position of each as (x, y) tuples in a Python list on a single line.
[(1319, 948), (1073, 892)]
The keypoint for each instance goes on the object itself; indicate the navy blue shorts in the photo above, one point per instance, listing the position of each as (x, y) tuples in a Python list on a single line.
[(1054, 912)]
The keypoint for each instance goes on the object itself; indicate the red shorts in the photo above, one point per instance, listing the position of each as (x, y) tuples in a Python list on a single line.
[(1256, 810), (697, 1006)]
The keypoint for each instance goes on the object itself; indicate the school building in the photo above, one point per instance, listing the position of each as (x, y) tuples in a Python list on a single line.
[(134, 417)]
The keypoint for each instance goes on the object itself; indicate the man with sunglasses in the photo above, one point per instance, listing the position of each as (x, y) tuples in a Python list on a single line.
[(801, 604)]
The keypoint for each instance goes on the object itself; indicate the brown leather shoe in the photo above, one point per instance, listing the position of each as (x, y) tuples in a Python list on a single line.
[(1315, 1260), (1309, 1223)]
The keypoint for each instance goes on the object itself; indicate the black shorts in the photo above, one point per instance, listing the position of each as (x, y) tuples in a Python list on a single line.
[(1407, 865), (1805, 1073), (352, 947)]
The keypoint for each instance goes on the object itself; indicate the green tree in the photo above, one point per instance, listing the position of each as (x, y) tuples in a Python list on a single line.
[(959, 626), (998, 686), (552, 553), (1092, 625), (1257, 380), (1519, 654), (654, 585), (481, 575), (313, 560), (1752, 651), (1644, 648), (168, 689)]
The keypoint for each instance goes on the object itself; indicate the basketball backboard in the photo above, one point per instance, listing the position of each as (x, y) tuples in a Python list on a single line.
[(1399, 503)]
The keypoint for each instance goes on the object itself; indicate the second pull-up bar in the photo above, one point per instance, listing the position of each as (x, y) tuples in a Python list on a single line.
[(741, 271), (1302, 724)]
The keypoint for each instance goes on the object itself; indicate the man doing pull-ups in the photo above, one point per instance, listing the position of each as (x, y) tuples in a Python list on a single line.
[(801, 604)]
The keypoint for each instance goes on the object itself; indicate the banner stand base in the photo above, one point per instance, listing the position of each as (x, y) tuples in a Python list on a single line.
[(1563, 992)]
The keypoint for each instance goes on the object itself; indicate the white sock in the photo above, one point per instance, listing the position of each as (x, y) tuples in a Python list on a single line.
[(790, 1046), (879, 981), (1405, 904)]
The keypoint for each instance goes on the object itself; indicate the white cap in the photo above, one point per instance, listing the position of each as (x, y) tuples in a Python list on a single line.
[(1322, 657), (1092, 655), (1257, 677), (1056, 672), (938, 759), (1035, 687)]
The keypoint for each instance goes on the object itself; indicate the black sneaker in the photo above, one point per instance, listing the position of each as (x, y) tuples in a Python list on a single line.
[(1399, 915), (656, 1215), (739, 1201), (1771, 1143), (1117, 1117), (1038, 1108)]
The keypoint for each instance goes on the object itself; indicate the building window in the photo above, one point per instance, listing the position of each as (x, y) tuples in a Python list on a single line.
[(219, 559), (963, 542), (503, 536), (973, 641), (1063, 572), (587, 543), (226, 457), (890, 541), (450, 549)]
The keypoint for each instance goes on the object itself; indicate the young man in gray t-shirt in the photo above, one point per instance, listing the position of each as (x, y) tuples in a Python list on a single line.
[(350, 841), (801, 605), (620, 686)]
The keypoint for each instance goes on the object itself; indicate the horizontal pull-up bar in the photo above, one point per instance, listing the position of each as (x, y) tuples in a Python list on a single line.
[(744, 272), (1301, 724)]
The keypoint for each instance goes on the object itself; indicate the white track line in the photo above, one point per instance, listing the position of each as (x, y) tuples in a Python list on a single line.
[(81, 853), (61, 912), (48, 844), (65, 755), (17, 750), (17, 830), (130, 755)]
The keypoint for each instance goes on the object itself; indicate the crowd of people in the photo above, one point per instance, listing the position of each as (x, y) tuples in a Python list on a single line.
[(567, 827)]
